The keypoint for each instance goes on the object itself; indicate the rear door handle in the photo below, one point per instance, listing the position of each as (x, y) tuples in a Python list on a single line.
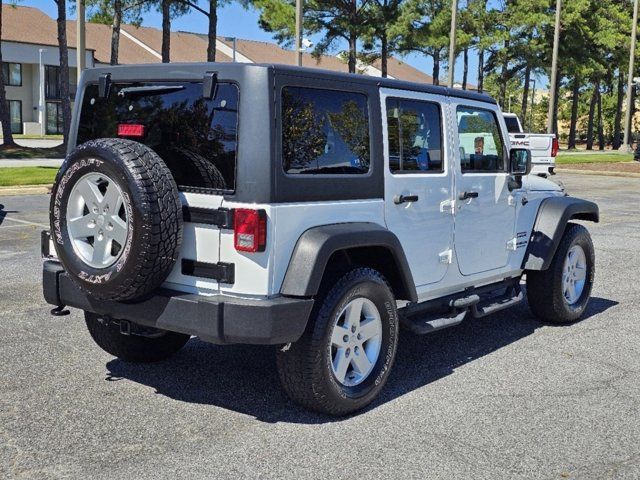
[(467, 195), (398, 199)]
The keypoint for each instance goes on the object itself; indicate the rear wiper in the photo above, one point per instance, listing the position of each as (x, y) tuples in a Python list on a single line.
[(150, 89)]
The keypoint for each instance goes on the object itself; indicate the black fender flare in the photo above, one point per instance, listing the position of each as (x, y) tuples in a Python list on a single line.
[(316, 245), (553, 215)]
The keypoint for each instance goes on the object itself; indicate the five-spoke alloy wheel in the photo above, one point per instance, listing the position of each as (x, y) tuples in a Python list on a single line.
[(97, 220)]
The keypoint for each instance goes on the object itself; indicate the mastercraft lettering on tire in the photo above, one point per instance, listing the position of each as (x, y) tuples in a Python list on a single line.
[(312, 211)]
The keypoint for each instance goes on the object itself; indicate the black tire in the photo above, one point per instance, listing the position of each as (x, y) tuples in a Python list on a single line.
[(194, 169), (133, 348), (305, 367), (152, 204), (544, 288)]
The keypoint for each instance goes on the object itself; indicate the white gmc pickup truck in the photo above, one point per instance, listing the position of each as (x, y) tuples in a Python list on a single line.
[(543, 146)]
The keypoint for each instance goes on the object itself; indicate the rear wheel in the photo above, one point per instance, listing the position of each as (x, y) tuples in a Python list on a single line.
[(133, 348), (561, 293), (344, 357)]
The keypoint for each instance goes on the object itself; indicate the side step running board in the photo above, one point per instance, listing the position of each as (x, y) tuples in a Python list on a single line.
[(426, 325), (422, 321), (512, 297)]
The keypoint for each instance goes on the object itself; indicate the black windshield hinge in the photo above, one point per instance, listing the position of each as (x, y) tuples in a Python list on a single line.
[(210, 85), (104, 85)]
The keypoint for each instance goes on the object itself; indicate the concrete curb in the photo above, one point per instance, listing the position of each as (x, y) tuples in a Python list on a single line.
[(598, 172), (26, 190)]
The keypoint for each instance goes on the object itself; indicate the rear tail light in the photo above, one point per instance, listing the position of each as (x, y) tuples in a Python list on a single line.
[(554, 147), (250, 230), (135, 130)]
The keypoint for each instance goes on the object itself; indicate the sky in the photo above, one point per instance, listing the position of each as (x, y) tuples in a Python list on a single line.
[(235, 21)]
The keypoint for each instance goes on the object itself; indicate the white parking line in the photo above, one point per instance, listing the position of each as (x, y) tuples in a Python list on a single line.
[(25, 222)]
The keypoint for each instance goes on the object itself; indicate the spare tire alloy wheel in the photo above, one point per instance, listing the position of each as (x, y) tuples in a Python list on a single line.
[(97, 220), (116, 219)]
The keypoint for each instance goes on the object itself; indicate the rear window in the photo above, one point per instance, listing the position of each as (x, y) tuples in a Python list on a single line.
[(512, 124), (324, 132), (196, 137)]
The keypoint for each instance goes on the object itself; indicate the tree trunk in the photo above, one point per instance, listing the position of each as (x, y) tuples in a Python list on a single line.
[(436, 67), (384, 52), (115, 31), (353, 40), (600, 126), (525, 96), (504, 72), (575, 102), (213, 30), (555, 104), (64, 69), (5, 119), (465, 68), (166, 31), (617, 122), (592, 110), (629, 125), (481, 71)]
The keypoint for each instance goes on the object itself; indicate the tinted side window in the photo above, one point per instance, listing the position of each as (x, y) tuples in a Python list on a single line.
[(481, 145), (196, 137), (415, 136), (324, 131)]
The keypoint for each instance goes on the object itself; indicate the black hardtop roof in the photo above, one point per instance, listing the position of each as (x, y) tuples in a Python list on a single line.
[(381, 82), (175, 70)]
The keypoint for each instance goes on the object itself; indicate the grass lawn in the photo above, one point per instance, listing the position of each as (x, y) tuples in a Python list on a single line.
[(27, 176), (26, 152), (19, 136), (569, 158)]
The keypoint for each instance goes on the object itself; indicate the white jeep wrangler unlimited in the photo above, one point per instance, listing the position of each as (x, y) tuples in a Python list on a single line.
[(309, 210)]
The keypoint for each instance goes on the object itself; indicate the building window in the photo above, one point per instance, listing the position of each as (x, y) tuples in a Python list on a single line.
[(52, 82), (12, 74), (324, 132), (15, 115), (54, 118)]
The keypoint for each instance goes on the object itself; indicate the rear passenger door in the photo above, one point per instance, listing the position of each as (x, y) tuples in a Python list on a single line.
[(418, 181)]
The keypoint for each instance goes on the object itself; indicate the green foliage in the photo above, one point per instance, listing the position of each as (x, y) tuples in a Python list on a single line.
[(102, 11)]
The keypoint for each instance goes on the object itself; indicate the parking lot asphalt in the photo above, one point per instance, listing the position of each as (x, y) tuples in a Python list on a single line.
[(500, 397)]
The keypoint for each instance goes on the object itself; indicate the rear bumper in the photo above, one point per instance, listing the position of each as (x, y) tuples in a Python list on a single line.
[(217, 319), (542, 169)]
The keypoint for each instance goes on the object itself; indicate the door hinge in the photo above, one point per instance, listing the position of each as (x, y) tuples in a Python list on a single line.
[(512, 244), (446, 256), (448, 206)]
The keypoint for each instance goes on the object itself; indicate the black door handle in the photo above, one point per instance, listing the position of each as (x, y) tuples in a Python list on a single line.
[(467, 195), (398, 199)]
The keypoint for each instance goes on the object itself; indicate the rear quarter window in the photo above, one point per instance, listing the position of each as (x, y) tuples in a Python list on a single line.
[(325, 132), (196, 137)]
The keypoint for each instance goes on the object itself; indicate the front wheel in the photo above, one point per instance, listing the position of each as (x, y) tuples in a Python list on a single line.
[(345, 355), (561, 293)]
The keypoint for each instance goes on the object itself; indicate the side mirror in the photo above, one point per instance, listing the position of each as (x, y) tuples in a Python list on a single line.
[(519, 161)]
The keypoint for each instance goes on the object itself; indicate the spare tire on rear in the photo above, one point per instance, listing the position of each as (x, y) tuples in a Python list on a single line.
[(116, 219)]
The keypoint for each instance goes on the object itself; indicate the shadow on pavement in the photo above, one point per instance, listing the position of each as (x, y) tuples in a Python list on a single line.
[(3, 213), (243, 378)]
